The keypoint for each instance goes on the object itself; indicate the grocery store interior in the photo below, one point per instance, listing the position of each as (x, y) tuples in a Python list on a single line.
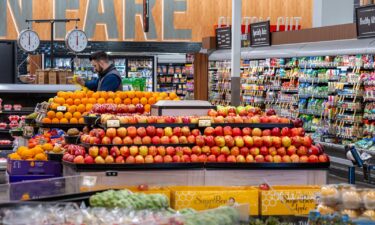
[(187, 112)]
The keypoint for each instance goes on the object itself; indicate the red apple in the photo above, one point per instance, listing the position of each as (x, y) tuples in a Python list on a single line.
[(93, 151), (95, 140), (185, 158), (291, 150), (196, 132), (159, 132), (256, 132), (219, 119), (244, 151), (141, 131), (231, 159), (267, 141), (286, 159), (249, 142), (272, 151), (229, 141), (124, 151), (150, 131), (88, 159), (174, 140), (302, 150), (194, 158), (246, 131), (158, 159), (250, 159), (215, 150), (114, 152), (209, 140), (183, 140), (171, 151), (134, 150), (164, 140), (202, 158), (254, 151), (177, 131), (323, 158), (103, 152), (219, 131), (127, 141), (236, 132), (176, 158), (239, 141), (263, 151), (276, 142), (155, 140), (294, 158), (277, 159), (149, 159), (258, 141), (179, 151), (285, 131), (235, 151), (191, 139), (117, 141), (119, 159), (307, 142), (139, 159), (225, 151), (130, 160), (167, 159), (137, 140), (109, 159), (212, 113), (227, 131), (281, 151), (211, 158), (259, 158), (304, 159), (268, 158), (296, 141), (199, 140), (240, 159), (275, 131), (313, 159), (111, 132), (266, 132), (168, 131), (208, 131), (99, 160), (221, 158), (152, 150), (132, 132), (161, 150), (185, 131), (79, 160), (197, 150), (121, 132), (313, 150), (206, 150)]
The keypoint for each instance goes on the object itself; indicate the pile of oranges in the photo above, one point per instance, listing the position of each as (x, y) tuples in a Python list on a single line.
[(32, 154), (80, 103)]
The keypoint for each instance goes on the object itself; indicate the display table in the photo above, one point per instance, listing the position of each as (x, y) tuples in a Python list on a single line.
[(193, 174)]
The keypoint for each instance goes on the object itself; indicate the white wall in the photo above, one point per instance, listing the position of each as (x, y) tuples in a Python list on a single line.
[(332, 12)]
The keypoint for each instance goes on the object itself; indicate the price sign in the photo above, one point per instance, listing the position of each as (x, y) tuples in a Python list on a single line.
[(260, 34), (113, 123), (61, 108), (204, 123), (365, 19)]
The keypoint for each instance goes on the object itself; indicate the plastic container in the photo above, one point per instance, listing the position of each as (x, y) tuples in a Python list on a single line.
[(17, 107), (325, 210), (369, 199), (3, 126), (351, 199), (8, 107), (329, 195)]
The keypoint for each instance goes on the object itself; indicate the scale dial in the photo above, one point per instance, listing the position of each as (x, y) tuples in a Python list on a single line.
[(28, 40), (76, 40)]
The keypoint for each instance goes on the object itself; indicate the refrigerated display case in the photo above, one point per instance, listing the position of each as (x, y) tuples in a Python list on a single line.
[(141, 67)]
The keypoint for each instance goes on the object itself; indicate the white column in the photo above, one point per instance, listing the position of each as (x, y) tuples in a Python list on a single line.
[(236, 51)]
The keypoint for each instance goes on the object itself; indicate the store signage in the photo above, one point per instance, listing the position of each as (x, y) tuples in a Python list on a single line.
[(204, 123), (61, 108), (146, 15), (365, 19), (260, 34), (224, 38), (113, 123)]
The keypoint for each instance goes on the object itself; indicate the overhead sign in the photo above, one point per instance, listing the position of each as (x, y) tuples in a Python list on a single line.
[(260, 34), (223, 38), (365, 20), (146, 15)]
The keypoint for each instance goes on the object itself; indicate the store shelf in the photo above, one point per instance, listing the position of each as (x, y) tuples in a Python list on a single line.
[(267, 166), (36, 88), (60, 126), (254, 125), (158, 125), (147, 145), (313, 96)]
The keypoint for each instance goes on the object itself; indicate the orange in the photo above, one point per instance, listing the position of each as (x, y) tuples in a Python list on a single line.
[(77, 101), (69, 94), (14, 156), (27, 154), (81, 108), (59, 100), (38, 149), (54, 106), (89, 107), (131, 94), (163, 95), (47, 147), (148, 95), (68, 115), (69, 101), (123, 95), (135, 101), (176, 99), (143, 101), (110, 100), (151, 101), (59, 115), (21, 149), (40, 157), (89, 94), (172, 95), (101, 101), (104, 94), (139, 94), (72, 108), (92, 100), (167, 98), (51, 114), (60, 94), (77, 115), (46, 120), (64, 121), (55, 121), (73, 120), (159, 98), (117, 101), (127, 101), (111, 94), (147, 108), (81, 121), (84, 101), (96, 95)]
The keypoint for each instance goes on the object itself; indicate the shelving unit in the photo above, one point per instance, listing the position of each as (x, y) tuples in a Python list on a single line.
[(172, 77), (141, 67)]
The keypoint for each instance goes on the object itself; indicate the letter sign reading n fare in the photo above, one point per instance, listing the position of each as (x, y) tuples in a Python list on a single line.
[(365, 19), (260, 34)]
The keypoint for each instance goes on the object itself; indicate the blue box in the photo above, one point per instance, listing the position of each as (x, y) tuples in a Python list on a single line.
[(23, 167)]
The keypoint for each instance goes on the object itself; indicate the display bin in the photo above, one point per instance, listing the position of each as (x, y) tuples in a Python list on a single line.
[(23, 167), (181, 108), (288, 200), (203, 198)]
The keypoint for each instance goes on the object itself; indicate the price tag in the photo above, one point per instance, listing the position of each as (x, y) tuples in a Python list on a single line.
[(204, 123), (113, 123), (61, 108)]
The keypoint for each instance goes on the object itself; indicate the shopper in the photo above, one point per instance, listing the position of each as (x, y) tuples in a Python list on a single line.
[(109, 78)]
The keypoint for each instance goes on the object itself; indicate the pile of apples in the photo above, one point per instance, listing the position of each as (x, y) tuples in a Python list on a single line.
[(118, 109), (216, 144)]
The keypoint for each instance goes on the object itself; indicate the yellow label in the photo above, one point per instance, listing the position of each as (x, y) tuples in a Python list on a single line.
[(203, 198), (288, 200)]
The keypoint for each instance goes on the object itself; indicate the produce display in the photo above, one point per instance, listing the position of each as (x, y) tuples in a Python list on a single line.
[(36, 153), (70, 107), (346, 200)]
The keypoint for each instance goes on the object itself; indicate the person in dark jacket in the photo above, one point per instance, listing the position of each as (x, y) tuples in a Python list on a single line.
[(109, 78)]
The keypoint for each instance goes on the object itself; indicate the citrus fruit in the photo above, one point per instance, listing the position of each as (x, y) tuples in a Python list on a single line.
[(46, 120), (59, 115)]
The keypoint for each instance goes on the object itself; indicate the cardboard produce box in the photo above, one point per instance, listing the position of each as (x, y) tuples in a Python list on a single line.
[(288, 200), (52, 77), (42, 76), (203, 198)]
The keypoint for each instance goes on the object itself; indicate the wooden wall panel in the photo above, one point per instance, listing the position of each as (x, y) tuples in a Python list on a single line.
[(200, 17), (200, 76)]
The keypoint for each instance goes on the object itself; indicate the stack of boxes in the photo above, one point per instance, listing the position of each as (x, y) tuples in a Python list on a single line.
[(51, 76)]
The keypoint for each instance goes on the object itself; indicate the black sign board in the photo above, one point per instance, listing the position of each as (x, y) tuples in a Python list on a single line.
[(260, 34), (365, 19), (223, 38), (146, 15)]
